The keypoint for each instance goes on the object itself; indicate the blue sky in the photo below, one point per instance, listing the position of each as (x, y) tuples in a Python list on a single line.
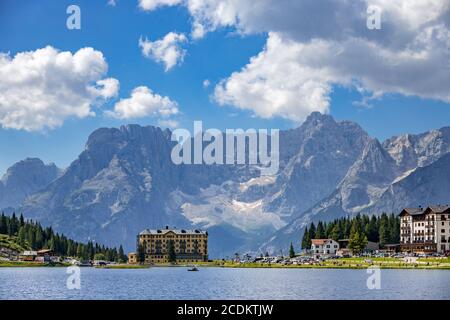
[(115, 31)]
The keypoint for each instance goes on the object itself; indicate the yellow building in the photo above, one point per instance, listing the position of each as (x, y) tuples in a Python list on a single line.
[(132, 258), (189, 245)]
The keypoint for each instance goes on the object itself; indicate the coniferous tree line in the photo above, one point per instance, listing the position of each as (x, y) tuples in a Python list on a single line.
[(33, 236), (384, 229)]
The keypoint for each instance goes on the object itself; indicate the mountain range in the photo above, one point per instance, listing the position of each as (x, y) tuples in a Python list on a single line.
[(124, 181)]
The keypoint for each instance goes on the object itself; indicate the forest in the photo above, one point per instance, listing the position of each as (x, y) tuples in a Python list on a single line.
[(33, 236), (360, 229)]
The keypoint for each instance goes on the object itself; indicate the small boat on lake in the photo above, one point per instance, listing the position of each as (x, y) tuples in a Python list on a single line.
[(193, 268)]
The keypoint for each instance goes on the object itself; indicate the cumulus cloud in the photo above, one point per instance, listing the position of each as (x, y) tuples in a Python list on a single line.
[(42, 88), (169, 123), (149, 5), (291, 79), (166, 50), (143, 103), (274, 83), (313, 46)]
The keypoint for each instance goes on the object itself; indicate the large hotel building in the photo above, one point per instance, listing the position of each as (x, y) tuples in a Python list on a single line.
[(425, 230), (189, 245)]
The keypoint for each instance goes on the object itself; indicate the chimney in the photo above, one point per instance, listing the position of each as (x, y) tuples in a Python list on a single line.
[(167, 227)]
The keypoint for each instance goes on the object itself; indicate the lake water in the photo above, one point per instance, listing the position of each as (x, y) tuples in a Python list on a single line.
[(222, 283)]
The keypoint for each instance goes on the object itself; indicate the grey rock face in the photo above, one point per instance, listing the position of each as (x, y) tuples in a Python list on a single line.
[(124, 181), (25, 178), (324, 152), (426, 185), (382, 179)]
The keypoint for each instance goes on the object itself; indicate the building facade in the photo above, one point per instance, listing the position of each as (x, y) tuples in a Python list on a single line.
[(425, 230), (324, 246), (188, 245), (132, 258)]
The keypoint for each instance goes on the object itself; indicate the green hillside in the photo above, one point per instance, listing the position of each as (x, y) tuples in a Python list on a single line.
[(18, 234), (12, 243)]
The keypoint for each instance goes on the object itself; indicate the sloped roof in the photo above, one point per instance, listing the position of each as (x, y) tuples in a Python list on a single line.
[(419, 211), (414, 211), (176, 231), (319, 242), (439, 208)]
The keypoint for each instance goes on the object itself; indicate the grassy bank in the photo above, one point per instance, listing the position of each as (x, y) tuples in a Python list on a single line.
[(123, 266), (346, 263), (30, 264)]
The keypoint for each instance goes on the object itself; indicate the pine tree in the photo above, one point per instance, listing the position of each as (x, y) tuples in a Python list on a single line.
[(335, 234), (171, 252), (3, 224), (80, 251), (22, 236), (291, 251), (306, 240), (21, 221), (38, 240), (372, 230), (141, 253), (320, 232), (329, 229), (122, 256), (384, 230)]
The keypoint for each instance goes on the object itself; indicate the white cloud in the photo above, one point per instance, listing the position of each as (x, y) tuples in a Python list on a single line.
[(169, 123), (40, 89), (112, 3), (166, 50), (106, 88), (291, 79), (316, 45), (275, 84), (149, 5), (143, 103), (206, 83)]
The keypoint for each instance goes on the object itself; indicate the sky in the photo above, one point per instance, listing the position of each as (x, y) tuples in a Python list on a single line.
[(231, 64)]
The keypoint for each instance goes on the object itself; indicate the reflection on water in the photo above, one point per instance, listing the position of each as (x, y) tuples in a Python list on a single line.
[(222, 283)]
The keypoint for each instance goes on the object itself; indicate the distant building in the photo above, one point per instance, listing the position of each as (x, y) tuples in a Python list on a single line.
[(370, 246), (324, 246), (189, 245), (132, 258), (28, 256), (425, 230)]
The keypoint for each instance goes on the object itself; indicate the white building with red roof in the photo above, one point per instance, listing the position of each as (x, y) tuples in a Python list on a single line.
[(324, 246)]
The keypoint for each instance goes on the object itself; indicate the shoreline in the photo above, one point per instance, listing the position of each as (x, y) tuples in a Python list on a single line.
[(352, 264)]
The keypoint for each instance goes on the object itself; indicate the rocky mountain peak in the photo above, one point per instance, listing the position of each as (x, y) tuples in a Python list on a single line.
[(24, 178)]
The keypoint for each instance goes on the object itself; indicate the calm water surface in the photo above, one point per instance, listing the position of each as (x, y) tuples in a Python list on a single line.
[(222, 283)]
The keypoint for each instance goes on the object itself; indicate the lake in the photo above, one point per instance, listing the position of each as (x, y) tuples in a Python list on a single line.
[(222, 283)]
